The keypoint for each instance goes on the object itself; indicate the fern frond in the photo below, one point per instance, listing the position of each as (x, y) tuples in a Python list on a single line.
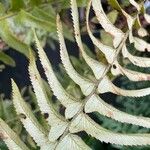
[(86, 85), (109, 52), (71, 141), (141, 45), (147, 17), (97, 67), (106, 24), (63, 128), (96, 104), (85, 123), (142, 32), (10, 137), (107, 86), (55, 120), (136, 60), (131, 75), (28, 119), (135, 4), (66, 99)]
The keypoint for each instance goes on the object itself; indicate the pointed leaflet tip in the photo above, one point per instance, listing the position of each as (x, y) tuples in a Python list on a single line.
[(65, 98), (12, 82), (107, 86), (57, 18), (84, 123), (108, 51), (85, 84), (30, 123), (97, 67), (14, 86), (106, 24), (46, 107), (96, 104)]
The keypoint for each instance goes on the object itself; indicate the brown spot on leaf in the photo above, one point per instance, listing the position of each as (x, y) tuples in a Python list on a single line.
[(148, 77), (2, 44), (35, 76), (141, 79), (2, 137), (110, 114)]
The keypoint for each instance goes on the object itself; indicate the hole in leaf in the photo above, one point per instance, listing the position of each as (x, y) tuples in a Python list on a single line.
[(114, 66), (23, 116), (70, 119), (77, 34), (146, 50), (46, 115)]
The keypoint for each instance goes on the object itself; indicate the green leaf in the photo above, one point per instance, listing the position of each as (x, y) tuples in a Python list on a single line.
[(2, 9), (7, 59), (35, 2), (137, 23), (42, 21), (112, 16), (29, 121), (6, 109), (80, 3), (12, 41), (16, 5), (41, 14), (31, 21), (1, 107), (3, 145), (115, 4), (106, 38), (49, 10)]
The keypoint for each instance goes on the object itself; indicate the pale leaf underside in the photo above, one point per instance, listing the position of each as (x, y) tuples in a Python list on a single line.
[(63, 129), (10, 138)]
